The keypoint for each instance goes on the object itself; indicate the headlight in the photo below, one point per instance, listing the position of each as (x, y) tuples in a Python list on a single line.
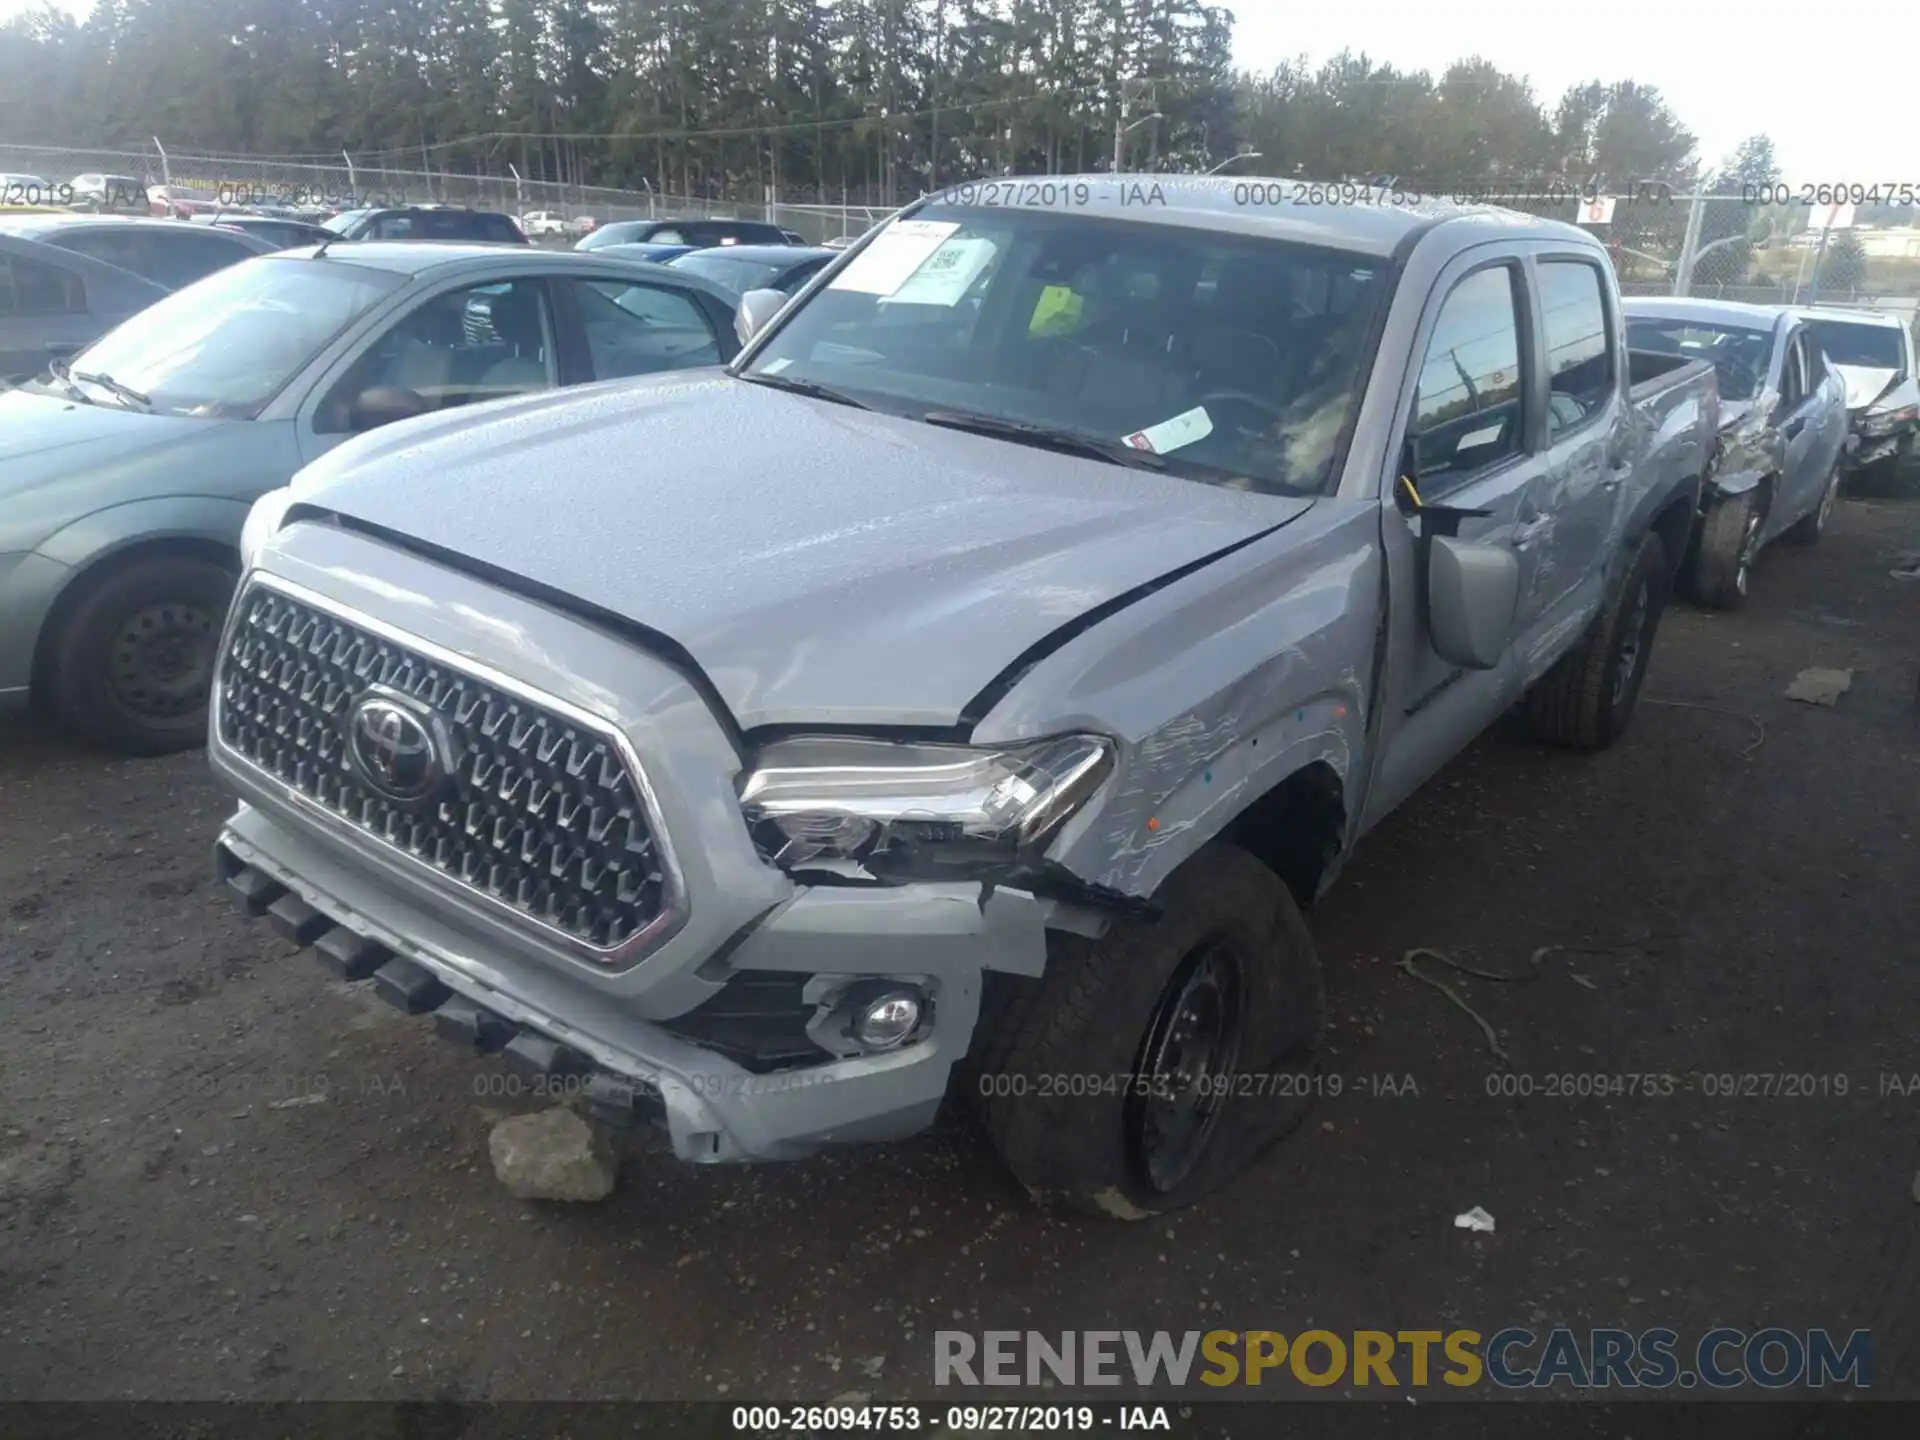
[(894, 808), (1885, 422), (262, 521)]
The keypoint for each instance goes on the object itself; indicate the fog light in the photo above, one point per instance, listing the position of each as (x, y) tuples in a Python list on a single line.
[(887, 1019)]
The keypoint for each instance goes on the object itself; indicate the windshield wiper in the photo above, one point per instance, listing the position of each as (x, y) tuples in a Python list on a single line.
[(58, 369), (1114, 452), (108, 383), (811, 388)]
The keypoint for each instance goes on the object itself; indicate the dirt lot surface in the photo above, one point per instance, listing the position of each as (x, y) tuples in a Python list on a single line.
[(223, 1175)]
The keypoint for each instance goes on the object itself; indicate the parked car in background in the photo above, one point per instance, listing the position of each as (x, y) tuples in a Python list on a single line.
[(741, 268), (537, 223), (162, 251), (1873, 353), (942, 694), (842, 242), (179, 202), (695, 233), (1783, 429), (53, 302), (126, 479), (22, 189), (427, 222), (582, 225), (658, 254), (280, 233), (119, 194)]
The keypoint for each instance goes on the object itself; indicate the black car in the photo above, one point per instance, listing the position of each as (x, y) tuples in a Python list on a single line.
[(172, 253), (426, 222), (53, 303), (283, 233), (741, 268), (695, 231)]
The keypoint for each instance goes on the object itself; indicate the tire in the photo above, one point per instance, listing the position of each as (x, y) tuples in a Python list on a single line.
[(1729, 545), (1101, 1013), (1586, 701), (1808, 529), (131, 663)]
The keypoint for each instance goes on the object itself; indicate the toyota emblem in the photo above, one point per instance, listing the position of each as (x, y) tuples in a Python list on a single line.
[(399, 751)]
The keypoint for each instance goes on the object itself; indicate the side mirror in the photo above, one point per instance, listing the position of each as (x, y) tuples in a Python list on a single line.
[(757, 307), (1471, 592), (382, 405)]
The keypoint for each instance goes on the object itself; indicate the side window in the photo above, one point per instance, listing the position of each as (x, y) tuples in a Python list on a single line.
[(478, 343), (393, 227), (1579, 341), (665, 237), (796, 280), (1793, 371), (180, 259), (499, 229), (640, 329), (28, 288), (1468, 410), (130, 251)]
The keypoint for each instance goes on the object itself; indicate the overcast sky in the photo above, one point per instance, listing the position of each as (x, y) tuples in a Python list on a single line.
[(1838, 104)]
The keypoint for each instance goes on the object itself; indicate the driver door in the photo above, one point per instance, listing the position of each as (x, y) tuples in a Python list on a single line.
[(1476, 429)]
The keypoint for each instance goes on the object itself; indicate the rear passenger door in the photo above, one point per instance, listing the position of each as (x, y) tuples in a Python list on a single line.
[(43, 316), (1800, 437), (1567, 523)]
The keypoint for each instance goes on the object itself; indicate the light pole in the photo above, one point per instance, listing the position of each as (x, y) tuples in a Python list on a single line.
[(1121, 129), (1243, 155)]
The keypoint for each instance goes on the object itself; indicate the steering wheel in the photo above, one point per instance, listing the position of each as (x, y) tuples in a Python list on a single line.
[(1243, 398)]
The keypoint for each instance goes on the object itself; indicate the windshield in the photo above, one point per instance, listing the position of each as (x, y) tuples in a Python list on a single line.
[(1740, 356), (739, 276), (224, 346), (1871, 347), (1238, 358)]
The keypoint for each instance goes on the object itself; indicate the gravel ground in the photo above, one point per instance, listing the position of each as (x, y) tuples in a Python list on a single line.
[(224, 1176)]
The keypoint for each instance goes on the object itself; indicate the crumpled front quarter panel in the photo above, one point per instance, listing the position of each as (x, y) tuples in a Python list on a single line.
[(1218, 688)]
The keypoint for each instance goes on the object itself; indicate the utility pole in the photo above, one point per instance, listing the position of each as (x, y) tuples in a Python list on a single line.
[(1120, 131), (1683, 275)]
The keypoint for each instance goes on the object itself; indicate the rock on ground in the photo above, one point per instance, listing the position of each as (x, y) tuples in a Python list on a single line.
[(554, 1155)]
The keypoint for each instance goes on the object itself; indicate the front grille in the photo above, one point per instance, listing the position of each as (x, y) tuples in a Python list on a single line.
[(537, 811)]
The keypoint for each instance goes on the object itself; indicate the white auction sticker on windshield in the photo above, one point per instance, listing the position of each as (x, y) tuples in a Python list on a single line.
[(892, 256), (944, 276), (1183, 429)]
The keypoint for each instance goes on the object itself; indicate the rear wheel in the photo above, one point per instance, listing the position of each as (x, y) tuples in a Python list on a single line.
[(1729, 545), (1586, 700), (1149, 1066), (131, 664)]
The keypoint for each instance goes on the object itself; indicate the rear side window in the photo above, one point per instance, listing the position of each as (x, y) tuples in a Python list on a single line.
[(29, 288), (1579, 341), (184, 257), (499, 229), (1468, 409)]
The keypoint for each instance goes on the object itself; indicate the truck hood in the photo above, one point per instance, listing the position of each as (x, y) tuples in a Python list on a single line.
[(820, 563), (1865, 383)]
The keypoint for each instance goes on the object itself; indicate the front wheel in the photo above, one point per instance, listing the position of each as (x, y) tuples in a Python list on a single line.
[(1586, 700), (131, 665), (1149, 1066), (1729, 545)]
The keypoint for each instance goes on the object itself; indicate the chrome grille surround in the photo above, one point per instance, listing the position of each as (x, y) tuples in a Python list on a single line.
[(547, 816)]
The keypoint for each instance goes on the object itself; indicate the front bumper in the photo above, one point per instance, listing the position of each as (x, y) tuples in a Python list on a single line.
[(619, 1035), (1864, 450)]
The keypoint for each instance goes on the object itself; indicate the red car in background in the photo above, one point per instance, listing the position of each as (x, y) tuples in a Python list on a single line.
[(181, 202)]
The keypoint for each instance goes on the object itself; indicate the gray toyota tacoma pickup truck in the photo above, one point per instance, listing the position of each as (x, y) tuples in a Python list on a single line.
[(968, 689)]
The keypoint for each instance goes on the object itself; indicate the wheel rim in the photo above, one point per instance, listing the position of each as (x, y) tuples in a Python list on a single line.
[(1749, 542), (1183, 1075), (1632, 644), (161, 660)]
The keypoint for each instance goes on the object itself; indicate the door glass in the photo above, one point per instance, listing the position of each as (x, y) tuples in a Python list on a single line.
[(477, 343), (129, 251), (36, 289), (638, 329), (1468, 410), (180, 259), (1579, 346)]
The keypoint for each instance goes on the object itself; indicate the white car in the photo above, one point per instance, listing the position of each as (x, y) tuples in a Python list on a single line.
[(542, 222), (26, 190), (582, 225)]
